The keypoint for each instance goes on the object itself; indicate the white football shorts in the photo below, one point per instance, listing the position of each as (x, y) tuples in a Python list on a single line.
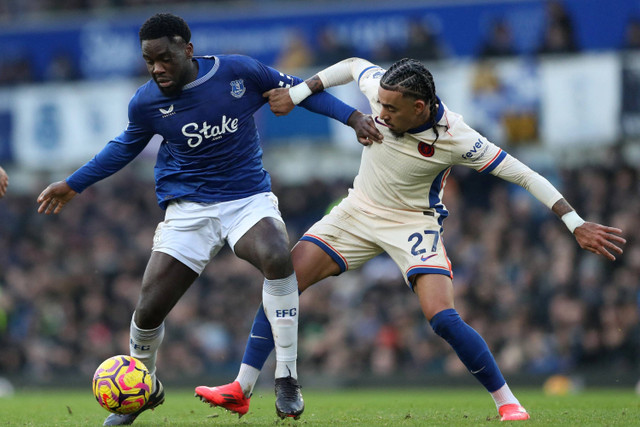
[(352, 235), (194, 233)]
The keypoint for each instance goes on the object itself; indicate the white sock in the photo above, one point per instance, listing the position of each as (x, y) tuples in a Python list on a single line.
[(504, 396), (144, 344), (247, 377), (281, 305)]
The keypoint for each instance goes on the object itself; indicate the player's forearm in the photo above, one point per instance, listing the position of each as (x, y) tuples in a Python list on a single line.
[(515, 171), (337, 74), (315, 84), (567, 214), (328, 105), (113, 157), (342, 72), (561, 207)]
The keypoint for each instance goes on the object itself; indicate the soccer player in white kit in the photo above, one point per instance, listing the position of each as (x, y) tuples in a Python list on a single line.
[(395, 206)]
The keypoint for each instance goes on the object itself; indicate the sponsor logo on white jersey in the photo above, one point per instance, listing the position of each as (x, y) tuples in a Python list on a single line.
[(197, 133), (477, 150)]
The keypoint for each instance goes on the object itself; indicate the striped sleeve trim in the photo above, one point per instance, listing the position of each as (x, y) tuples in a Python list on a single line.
[(494, 162), (365, 70)]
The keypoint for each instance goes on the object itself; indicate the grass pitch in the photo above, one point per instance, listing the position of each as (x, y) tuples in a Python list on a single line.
[(369, 407)]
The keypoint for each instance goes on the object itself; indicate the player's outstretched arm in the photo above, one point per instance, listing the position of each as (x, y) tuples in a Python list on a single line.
[(282, 101), (4, 182), (597, 238), (366, 131), (54, 197)]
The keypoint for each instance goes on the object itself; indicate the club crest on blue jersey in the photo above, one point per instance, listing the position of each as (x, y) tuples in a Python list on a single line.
[(237, 88), (426, 150)]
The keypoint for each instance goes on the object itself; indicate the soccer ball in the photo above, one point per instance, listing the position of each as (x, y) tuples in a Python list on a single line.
[(122, 384)]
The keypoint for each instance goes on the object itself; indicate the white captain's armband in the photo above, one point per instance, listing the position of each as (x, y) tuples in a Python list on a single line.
[(299, 93), (572, 220)]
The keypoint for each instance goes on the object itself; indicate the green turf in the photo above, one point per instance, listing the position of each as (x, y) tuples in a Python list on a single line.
[(411, 407)]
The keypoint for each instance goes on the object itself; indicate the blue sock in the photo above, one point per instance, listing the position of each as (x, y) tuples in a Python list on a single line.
[(470, 348), (260, 342)]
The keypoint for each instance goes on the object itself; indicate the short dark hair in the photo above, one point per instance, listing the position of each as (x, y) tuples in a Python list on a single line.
[(164, 25), (410, 77)]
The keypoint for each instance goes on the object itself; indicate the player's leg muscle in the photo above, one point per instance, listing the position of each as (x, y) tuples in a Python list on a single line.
[(164, 282), (266, 246), (435, 293), (312, 264)]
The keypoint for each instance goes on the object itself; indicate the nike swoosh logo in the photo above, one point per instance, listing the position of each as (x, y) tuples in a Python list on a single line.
[(258, 337), (422, 258), (479, 370)]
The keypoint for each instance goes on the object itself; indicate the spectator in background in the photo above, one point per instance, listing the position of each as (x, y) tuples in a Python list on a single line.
[(422, 43), (499, 42), (559, 35), (296, 54), (62, 68), (4, 182), (330, 48), (632, 34), (16, 70)]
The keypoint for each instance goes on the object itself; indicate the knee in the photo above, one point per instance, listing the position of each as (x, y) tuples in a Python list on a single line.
[(276, 262), (444, 322)]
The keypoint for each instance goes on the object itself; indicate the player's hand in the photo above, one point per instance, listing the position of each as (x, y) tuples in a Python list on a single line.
[(600, 239), (54, 197), (279, 101), (365, 128), (4, 182)]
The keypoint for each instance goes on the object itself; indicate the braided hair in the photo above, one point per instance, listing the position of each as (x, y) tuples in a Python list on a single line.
[(410, 77), (165, 25)]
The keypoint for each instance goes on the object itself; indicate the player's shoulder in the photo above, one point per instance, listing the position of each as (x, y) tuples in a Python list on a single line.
[(454, 130), (239, 65), (371, 72), (145, 93), (238, 61), (368, 80), (463, 140), (454, 122)]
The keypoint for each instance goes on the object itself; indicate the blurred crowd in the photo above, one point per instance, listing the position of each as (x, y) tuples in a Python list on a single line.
[(69, 284)]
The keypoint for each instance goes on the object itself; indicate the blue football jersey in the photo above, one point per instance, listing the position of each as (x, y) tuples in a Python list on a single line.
[(211, 149)]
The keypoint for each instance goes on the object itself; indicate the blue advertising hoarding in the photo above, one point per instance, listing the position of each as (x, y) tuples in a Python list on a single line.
[(108, 45)]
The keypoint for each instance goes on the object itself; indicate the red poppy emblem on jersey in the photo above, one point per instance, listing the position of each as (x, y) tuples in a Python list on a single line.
[(425, 149)]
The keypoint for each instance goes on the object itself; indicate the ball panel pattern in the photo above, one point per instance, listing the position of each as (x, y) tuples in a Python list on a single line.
[(122, 384)]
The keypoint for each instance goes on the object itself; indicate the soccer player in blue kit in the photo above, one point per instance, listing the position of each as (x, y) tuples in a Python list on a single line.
[(396, 206), (211, 181)]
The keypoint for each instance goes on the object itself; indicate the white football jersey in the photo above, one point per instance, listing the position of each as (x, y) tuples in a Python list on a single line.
[(409, 172)]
